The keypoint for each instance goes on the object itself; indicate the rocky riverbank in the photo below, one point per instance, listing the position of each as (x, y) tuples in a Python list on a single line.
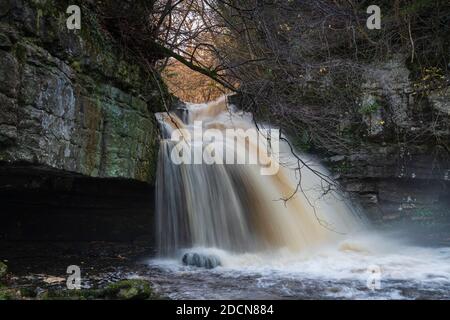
[(108, 271)]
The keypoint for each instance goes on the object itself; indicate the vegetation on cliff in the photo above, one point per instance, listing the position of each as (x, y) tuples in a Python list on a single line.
[(75, 100), (374, 103)]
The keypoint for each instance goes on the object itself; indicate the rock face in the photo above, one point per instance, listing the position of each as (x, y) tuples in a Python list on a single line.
[(397, 163), (3, 270), (440, 100), (401, 168), (73, 107), (68, 101)]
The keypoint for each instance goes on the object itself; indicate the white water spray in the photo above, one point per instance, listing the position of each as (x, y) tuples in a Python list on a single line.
[(235, 207)]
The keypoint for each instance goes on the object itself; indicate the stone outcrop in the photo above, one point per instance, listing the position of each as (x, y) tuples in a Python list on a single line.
[(69, 101), (401, 168), (75, 110), (397, 163)]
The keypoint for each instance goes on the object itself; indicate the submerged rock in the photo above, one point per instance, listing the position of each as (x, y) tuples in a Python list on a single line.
[(200, 260)]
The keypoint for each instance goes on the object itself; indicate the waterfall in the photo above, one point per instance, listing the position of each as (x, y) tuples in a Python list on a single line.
[(234, 207)]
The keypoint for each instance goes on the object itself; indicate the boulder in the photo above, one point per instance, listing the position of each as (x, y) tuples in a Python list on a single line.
[(133, 289), (200, 260)]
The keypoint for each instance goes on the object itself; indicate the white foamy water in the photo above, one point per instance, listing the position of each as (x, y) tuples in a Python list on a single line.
[(235, 207), (313, 246), (339, 271)]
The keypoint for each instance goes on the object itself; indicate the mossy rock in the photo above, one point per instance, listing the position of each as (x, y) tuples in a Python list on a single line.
[(28, 292), (3, 270), (134, 289), (7, 294), (70, 295)]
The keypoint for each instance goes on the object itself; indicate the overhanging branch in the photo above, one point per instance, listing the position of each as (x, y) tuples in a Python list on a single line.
[(209, 73)]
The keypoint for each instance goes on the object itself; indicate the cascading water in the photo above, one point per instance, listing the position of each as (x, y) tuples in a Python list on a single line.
[(234, 207), (311, 246)]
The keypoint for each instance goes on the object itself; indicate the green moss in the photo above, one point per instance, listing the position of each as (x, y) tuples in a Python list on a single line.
[(133, 289), (117, 116), (6, 294), (342, 167), (417, 6), (76, 65), (431, 215), (39, 15), (48, 8), (129, 290), (98, 40), (20, 52), (369, 108), (27, 292), (303, 142), (85, 294), (92, 121), (3, 270)]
